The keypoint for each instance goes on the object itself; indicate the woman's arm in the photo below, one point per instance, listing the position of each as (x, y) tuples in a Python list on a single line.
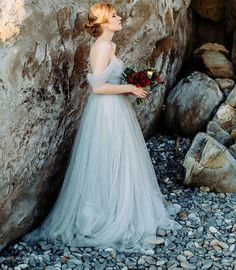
[(114, 89), (101, 59)]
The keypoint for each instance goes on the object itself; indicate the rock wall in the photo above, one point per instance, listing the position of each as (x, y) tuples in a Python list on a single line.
[(43, 90)]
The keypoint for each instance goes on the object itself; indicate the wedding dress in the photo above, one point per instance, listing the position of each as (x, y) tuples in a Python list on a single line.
[(110, 196)]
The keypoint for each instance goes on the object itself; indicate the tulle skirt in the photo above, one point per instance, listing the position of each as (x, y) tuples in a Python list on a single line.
[(110, 196)]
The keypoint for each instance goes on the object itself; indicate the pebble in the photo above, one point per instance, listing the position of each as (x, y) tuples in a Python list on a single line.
[(234, 228), (161, 262), (23, 266), (183, 215), (159, 240), (152, 267), (188, 265), (112, 252), (75, 261), (213, 229), (181, 258), (232, 248), (217, 248), (150, 260), (206, 265), (161, 232), (223, 245), (231, 240), (188, 253), (141, 261), (214, 242)]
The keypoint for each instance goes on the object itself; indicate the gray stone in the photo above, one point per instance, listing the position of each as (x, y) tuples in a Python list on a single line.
[(181, 258), (187, 265), (150, 260), (225, 117), (206, 265), (219, 134), (225, 83), (160, 262), (23, 266), (232, 150), (231, 99), (76, 262), (190, 104), (209, 164)]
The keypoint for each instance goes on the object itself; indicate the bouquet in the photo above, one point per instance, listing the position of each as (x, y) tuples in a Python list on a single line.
[(147, 78)]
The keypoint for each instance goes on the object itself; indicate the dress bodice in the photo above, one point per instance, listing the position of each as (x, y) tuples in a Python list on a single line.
[(111, 74)]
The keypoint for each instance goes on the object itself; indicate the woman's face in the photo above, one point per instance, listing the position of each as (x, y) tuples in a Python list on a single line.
[(114, 22)]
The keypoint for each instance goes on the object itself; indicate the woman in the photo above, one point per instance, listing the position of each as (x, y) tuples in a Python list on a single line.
[(110, 196)]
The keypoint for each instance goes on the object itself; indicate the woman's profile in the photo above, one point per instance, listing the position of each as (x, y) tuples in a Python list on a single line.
[(110, 196)]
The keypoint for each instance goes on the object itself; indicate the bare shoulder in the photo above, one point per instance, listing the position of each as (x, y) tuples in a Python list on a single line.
[(102, 46), (100, 55)]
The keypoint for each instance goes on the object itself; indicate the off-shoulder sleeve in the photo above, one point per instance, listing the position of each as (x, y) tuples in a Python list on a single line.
[(100, 79)]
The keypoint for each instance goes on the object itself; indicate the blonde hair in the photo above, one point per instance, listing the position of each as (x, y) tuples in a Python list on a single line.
[(97, 15)]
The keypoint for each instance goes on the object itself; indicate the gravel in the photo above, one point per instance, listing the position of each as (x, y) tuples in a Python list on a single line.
[(207, 240)]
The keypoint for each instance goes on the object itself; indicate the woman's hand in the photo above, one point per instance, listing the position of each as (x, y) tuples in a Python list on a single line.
[(138, 91)]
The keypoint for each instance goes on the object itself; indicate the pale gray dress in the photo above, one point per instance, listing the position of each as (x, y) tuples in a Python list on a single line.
[(110, 196)]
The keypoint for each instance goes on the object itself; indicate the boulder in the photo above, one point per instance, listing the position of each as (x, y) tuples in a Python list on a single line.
[(211, 47), (215, 60), (191, 103), (209, 164), (225, 117), (225, 83), (43, 90), (163, 42), (219, 134)]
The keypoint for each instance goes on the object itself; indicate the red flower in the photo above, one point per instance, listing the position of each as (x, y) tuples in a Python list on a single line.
[(143, 78), (130, 79)]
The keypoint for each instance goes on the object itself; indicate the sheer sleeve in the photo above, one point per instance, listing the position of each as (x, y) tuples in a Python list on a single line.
[(100, 79)]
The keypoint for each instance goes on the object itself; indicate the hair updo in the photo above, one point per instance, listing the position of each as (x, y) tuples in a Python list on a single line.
[(97, 15)]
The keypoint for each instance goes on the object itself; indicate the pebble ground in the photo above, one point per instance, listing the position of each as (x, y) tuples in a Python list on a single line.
[(207, 240)]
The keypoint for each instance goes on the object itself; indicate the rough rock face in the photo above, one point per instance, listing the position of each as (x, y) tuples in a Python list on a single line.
[(230, 15), (230, 24), (43, 90), (190, 104), (210, 9), (214, 21), (165, 49), (210, 164)]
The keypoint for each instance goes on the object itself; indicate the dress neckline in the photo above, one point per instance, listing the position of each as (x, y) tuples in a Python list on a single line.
[(109, 64)]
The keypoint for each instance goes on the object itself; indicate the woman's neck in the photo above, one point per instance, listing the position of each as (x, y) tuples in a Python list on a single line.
[(106, 36)]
